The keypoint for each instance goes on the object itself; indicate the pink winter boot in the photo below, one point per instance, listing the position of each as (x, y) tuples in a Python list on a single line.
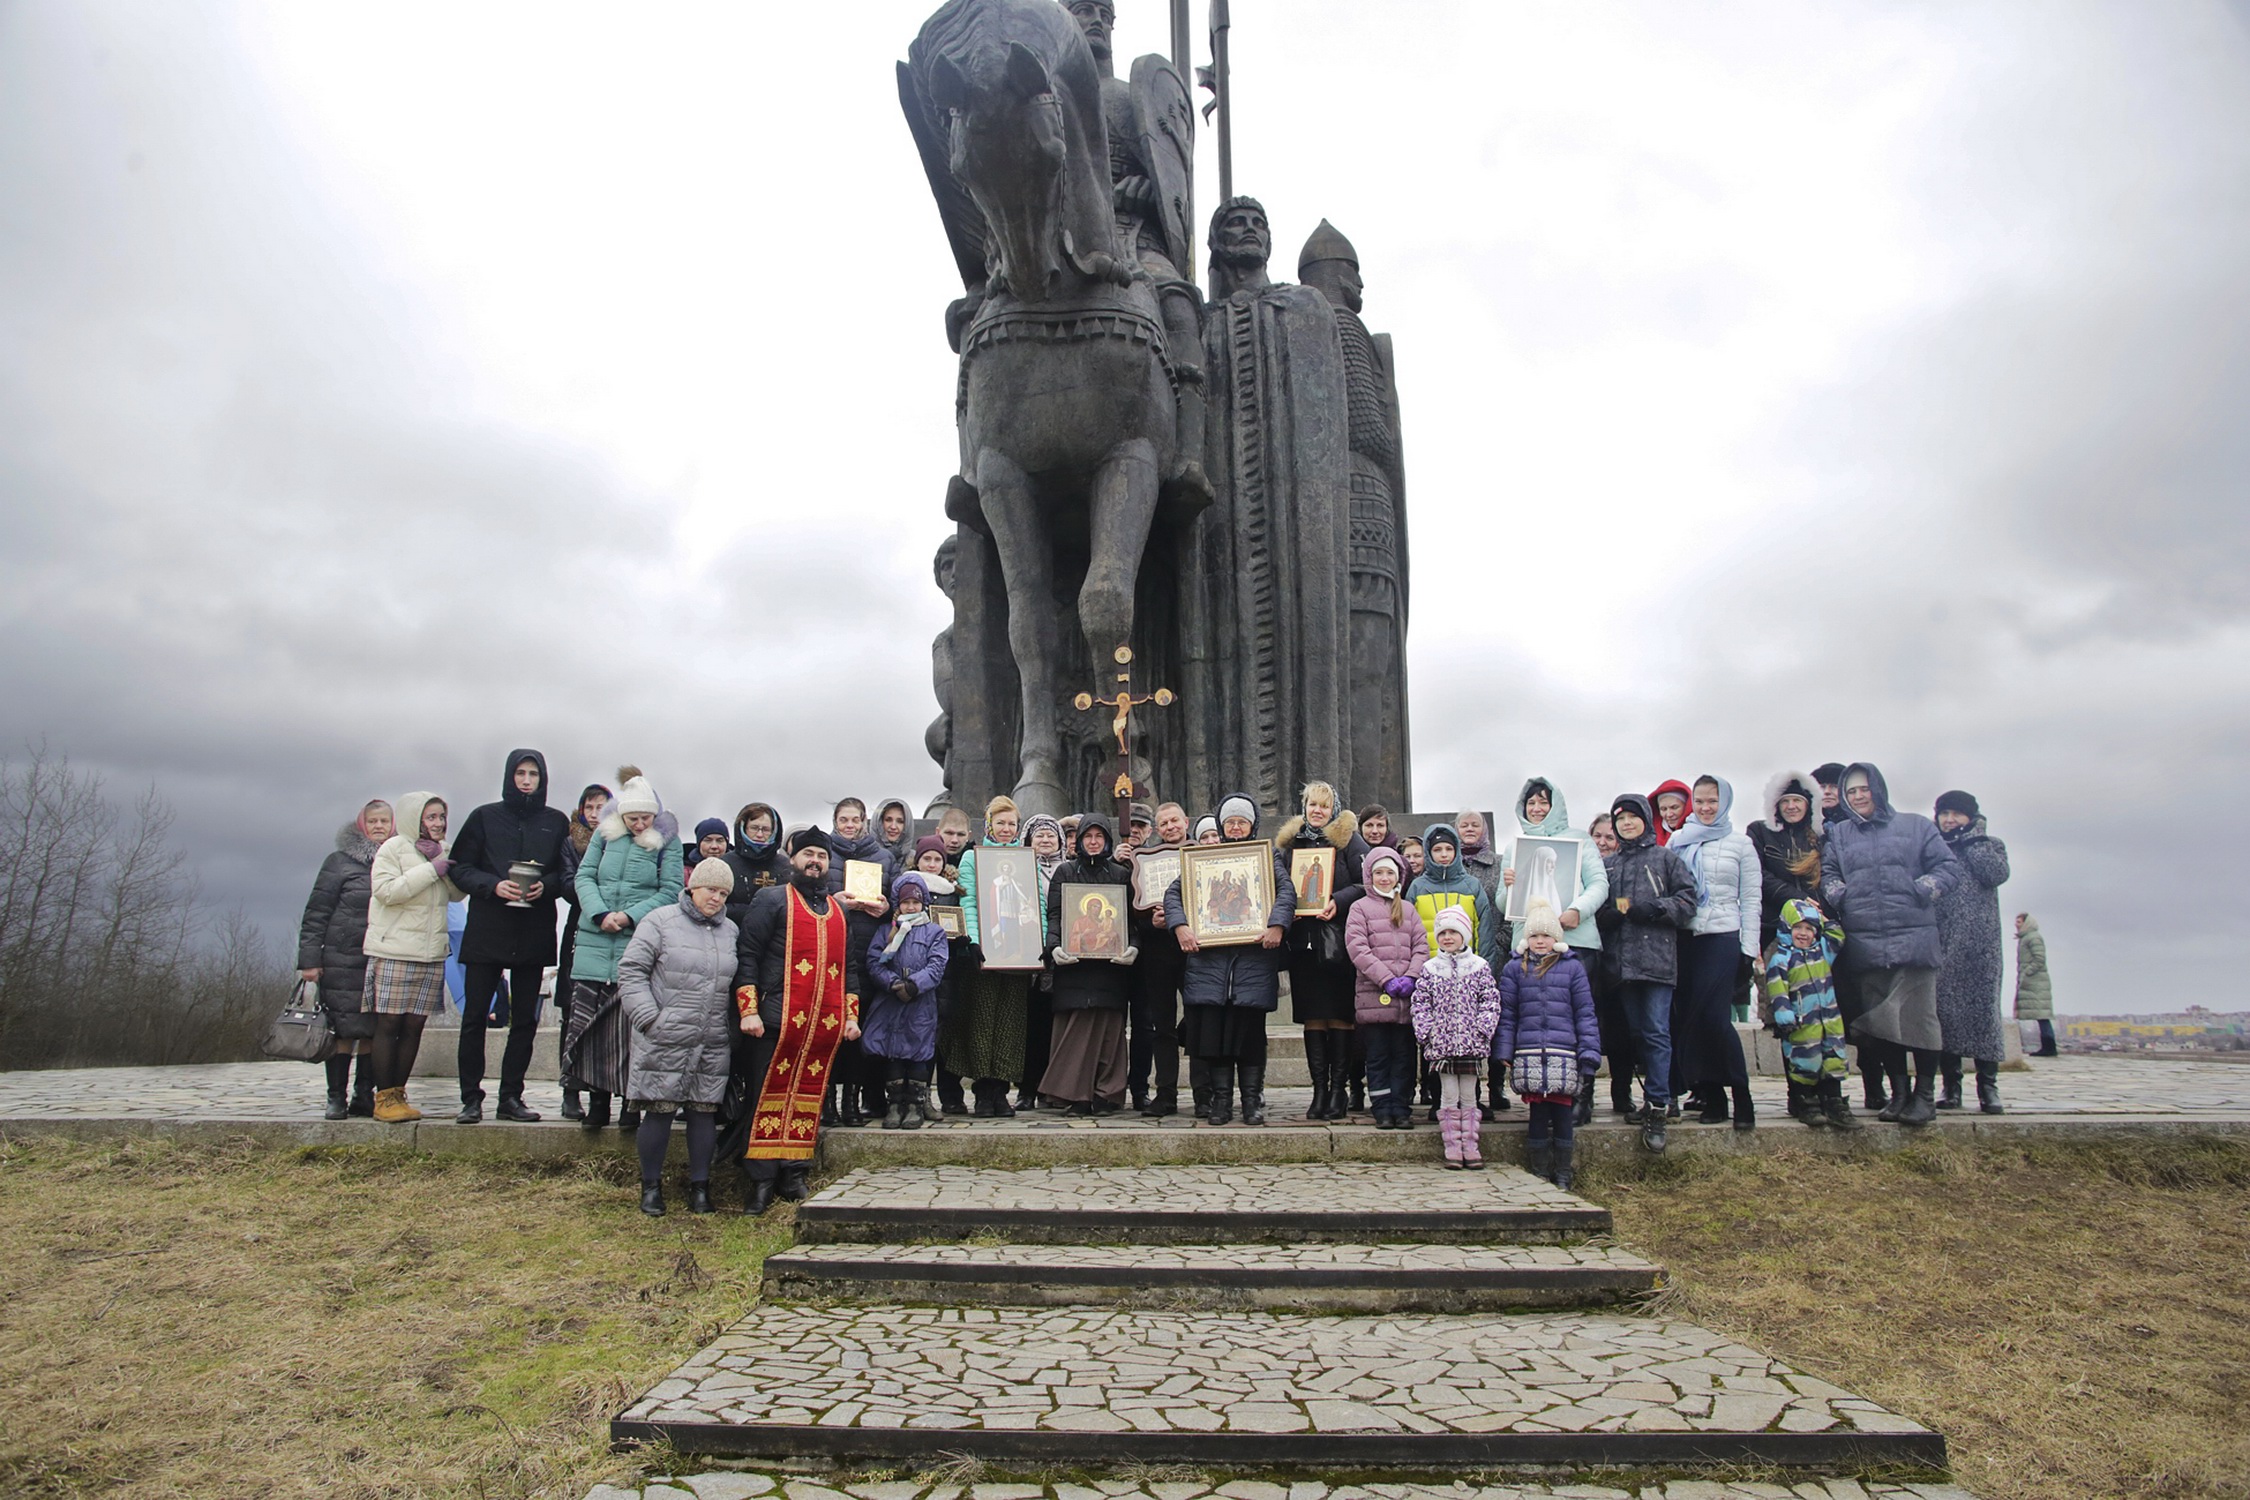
[(1472, 1153), (1449, 1131)]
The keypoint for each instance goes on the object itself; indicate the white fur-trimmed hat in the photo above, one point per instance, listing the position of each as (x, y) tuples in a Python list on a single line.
[(1542, 918)]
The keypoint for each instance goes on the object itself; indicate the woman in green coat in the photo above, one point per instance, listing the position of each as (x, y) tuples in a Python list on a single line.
[(632, 867), (2035, 992)]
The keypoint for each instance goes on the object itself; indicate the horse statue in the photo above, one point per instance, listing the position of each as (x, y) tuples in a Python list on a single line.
[(1067, 404)]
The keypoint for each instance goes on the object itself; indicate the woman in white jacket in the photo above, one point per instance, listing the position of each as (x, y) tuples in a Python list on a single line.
[(406, 945), (1717, 957)]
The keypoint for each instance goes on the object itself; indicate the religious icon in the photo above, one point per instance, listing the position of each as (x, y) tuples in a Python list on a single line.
[(1546, 870), (1227, 891), (950, 921), (1313, 873), (1009, 926), (1093, 921), (863, 881), (1154, 871)]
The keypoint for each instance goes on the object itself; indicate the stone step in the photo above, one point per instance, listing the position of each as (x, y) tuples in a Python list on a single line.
[(1185, 1205), (739, 1484), (1307, 1277), (441, 1055), (1090, 1386)]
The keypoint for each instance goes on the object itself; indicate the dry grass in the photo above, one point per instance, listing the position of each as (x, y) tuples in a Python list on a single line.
[(2076, 1319), (191, 1321), (199, 1321)]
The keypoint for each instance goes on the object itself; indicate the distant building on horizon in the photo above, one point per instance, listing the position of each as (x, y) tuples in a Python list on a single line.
[(2195, 1029)]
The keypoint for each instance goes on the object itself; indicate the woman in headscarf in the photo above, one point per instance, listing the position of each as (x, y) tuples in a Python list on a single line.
[(331, 951), (1228, 992), (1968, 984), (588, 816), (406, 946), (1321, 977), (1086, 1067), (1047, 839), (1718, 955), (1577, 897), (894, 826)]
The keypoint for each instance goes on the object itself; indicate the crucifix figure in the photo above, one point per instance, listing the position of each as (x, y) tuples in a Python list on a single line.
[(1124, 701)]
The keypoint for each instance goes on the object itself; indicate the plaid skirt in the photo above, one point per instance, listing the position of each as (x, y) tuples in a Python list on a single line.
[(405, 987)]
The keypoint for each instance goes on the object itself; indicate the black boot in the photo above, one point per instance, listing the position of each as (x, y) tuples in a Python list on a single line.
[(1652, 1129), (1583, 1112), (1832, 1105), (573, 1106), (1988, 1088), (513, 1108), (1566, 1165), (1900, 1090), (1875, 1099), (1621, 1094), (1805, 1105), (950, 1099), (1220, 1108), (699, 1198), (1316, 1064), (921, 1110), (362, 1106), (339, 1087), (472, 1109), (1199, 1086), (1745, 1113), (1920, 1108), (1162, 1104), (339, 1106), (794, 1188), (1339, 1075), (1714, 1110), (848, 1111), (1359, 1087), (1949, 1074), (757, 1194), (628, 1119), (894, 1115), (652, 1199), (596, 1114), (1253, 1093), (829, 1118)]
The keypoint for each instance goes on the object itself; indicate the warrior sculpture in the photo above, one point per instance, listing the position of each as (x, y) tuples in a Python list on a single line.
[(1069, 399), (1379, 752)]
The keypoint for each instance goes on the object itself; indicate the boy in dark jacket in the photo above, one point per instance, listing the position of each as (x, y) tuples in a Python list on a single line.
[(1652, 892), (511, 925)]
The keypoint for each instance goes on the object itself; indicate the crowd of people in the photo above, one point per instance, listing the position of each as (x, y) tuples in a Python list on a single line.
[(766, 983)]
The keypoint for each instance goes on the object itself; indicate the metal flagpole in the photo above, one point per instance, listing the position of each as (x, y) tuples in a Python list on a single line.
[(1220, 21), (1181, 44)]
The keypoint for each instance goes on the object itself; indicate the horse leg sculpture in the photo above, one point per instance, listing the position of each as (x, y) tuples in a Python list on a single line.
[(1019, 535), (1122, 502)]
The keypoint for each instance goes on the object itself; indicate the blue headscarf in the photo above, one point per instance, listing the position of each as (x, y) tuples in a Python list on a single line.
[(1694, 833)]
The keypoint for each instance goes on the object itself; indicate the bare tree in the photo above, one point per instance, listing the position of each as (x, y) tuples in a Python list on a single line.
[(107, 952)]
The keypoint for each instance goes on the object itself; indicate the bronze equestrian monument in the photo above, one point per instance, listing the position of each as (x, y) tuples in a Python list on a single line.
[(1155, 487)]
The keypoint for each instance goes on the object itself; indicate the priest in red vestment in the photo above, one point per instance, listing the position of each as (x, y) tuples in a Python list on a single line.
[(797, 989)]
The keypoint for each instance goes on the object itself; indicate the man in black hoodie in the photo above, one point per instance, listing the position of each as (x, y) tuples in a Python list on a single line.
[(511, 926)]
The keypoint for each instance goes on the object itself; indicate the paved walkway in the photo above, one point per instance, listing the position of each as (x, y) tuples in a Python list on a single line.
[(2064, 1087), (752, 1486)]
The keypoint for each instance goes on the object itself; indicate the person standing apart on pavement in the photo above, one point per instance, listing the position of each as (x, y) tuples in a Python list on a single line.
[(797, 991), (509, 857), (2035, 989), (406, 946), (1456, 1005), (1654, 898), (675, 990), (631, 868), (593, 801), (1320, 971), (1548, 1039), (331, 952), (1388, 947), (1718, 957), (1228, 992), (1884, 873), (1969, 958)]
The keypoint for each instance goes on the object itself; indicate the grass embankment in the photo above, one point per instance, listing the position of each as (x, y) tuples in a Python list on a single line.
[(198, 1321), (2075, 1319)]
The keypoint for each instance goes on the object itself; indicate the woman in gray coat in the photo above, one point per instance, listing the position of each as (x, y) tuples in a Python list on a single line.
[(1968, 980), (675, 988)]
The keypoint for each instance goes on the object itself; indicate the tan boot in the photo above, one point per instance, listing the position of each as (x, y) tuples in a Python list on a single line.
[(392, 1109)]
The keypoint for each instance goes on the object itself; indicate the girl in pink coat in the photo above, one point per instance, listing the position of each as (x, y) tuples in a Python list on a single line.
[(1387, 945)]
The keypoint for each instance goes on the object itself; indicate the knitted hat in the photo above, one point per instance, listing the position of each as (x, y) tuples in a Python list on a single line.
[(1383, 855), (928, 844), (1238, 806), (710, 826), (1959, 802), (712, 875), (1455, 919), (808, 838), (1204, 824), (635, 795), (1541, 918), (911, 881)]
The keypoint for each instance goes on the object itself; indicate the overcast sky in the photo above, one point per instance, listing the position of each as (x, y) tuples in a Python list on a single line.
[(382, 386)]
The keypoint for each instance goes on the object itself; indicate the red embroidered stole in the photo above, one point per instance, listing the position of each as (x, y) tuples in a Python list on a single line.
[(787, 1121)]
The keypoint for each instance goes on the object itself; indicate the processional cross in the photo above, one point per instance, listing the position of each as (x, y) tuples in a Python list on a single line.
[(1124, 701)]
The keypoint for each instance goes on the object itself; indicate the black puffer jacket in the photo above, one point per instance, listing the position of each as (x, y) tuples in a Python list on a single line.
[(333, 934), (1090, 983), (1883, 876), (1246, 974), (520, 826), (755, 866), (1662, 895)]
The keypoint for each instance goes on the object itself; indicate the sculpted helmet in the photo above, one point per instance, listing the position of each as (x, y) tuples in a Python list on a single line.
[(1326, 244)]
